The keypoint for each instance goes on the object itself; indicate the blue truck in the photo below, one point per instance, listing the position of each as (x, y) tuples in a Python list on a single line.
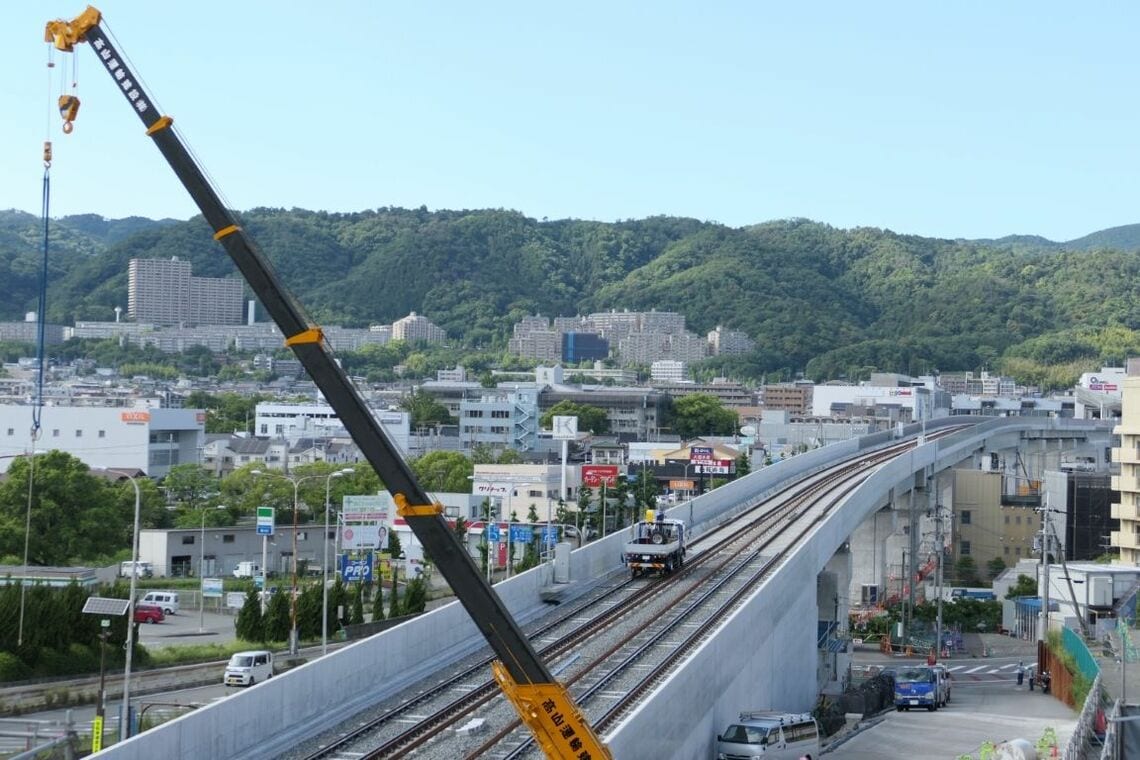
[(916, 686), (981, 594)]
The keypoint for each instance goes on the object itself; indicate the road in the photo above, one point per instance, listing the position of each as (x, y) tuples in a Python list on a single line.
[(986, 704)]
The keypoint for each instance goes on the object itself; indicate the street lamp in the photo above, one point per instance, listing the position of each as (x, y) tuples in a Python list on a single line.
[(293, 593), (325, 567), (125, 708)]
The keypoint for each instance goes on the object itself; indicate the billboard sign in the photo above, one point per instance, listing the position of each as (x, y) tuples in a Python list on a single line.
[(682, 485), (700, 454), (358, 569), (364, 522), (715, 467), (593, 475), (565, 428), (212, 587)]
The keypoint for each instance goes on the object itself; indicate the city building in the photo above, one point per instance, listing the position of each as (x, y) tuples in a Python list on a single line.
[(500, 419), (989, 523), (28, 331), (584, 346), (164, 292), (294, 422), (730, 394), (794, 398)]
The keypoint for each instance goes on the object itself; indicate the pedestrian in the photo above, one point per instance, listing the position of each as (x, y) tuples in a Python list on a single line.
[(1020, 673), (1032, 676)]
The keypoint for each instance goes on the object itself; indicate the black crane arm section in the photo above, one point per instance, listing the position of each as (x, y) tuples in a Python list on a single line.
[(541, 701)]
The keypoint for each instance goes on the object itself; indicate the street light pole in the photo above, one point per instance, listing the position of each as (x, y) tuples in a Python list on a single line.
[(202, 577), (325, 566), (125, 708), (293, 643)]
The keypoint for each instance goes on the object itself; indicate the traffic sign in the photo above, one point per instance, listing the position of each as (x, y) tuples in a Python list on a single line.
[(521, 534), (550, 535), (493, 533), (265, 521)]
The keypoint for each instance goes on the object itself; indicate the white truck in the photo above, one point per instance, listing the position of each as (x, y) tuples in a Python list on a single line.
[(656, 545), (247, 570)]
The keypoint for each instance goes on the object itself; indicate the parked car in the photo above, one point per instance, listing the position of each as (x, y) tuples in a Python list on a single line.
[(167, 600), (944, 679), (149, 613)]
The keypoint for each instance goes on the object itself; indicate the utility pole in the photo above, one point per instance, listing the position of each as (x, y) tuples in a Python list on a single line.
[(913, 535), (1044, 622), (938, 569)]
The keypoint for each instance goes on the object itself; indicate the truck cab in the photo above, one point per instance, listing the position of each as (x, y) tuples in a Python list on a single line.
[(656, 544)]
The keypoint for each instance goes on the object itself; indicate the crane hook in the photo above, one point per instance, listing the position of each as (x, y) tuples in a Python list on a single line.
[(68, 109)]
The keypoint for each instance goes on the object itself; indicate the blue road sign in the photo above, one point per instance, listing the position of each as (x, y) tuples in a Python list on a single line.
[(493, 533), (521, 534), (550, 535)]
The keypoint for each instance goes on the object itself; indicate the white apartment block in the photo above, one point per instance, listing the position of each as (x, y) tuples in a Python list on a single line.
[(722, 341), (667, 371), (293, 422), (414, 327), (1127, 483), (646, 348)]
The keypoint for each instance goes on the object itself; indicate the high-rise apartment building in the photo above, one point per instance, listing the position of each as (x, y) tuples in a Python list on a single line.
[(722, 341), (414, 327), (1127, 483), (164, 292)]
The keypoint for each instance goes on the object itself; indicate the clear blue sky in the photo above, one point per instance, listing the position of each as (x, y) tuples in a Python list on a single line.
[(968, 119)]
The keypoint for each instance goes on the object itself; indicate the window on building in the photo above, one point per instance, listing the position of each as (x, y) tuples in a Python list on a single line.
[(227, 538), (187, 540), (1017, 550), (966, 517), (1007, 519), (78, 433), (1005, 550), (55, 433), (102, 433), (11, 431), (533, 494), (964, 549), (1017, 520)]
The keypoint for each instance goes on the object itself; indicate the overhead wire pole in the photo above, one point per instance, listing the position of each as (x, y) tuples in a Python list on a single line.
[(542, 703)]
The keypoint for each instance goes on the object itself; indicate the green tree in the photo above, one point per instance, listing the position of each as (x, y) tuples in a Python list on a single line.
[(743, 465), (966, 571), (378, 603), (1025, 586), (278, 617), (357, 605), (189, 485), (995, 567), (415, 597), (425, 410), (701, 414), (444, 471), (590, 418), (249, 624)]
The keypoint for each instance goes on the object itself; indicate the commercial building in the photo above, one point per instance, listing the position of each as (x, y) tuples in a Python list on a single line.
[(130, 436), (500, 419), (294, 422)]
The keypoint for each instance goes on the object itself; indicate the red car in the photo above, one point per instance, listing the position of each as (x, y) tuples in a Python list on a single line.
[(148, 613)]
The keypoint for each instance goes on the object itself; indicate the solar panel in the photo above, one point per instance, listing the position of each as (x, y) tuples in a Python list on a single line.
[(101, 605)]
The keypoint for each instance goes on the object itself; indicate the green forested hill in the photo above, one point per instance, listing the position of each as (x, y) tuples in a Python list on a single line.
[(817, 299)]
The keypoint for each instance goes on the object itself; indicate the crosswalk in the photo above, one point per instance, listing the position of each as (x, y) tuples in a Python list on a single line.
[(983, 670)]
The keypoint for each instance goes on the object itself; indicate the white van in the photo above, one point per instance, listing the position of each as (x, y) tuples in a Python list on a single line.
[(141, 569), (769, 734), (247, 668), (167, 600)]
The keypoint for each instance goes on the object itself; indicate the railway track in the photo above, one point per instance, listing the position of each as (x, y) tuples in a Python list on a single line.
[(611, 648)]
